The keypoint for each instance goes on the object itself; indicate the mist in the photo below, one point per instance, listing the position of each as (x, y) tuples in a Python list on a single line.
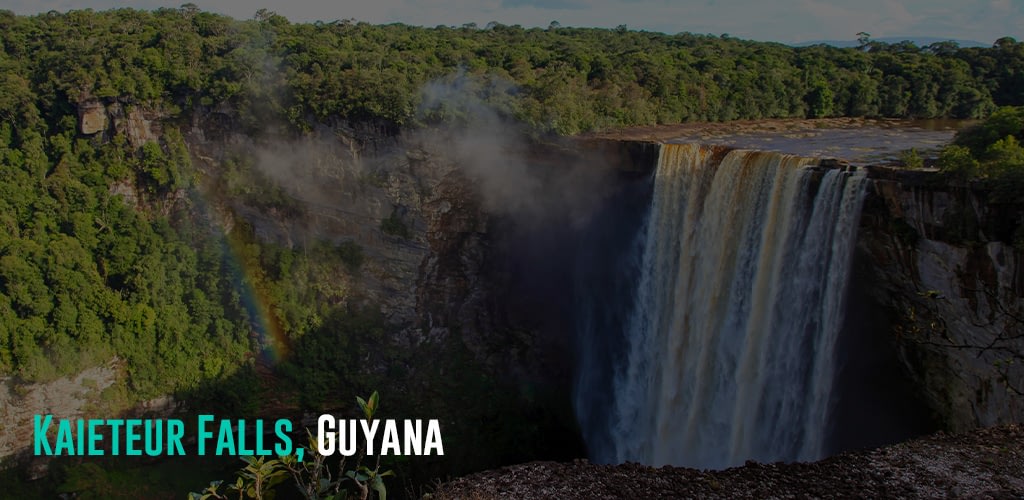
[(494, 151), (466, 125)]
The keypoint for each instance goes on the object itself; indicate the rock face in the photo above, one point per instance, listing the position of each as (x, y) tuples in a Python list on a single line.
[(66, 397), (944, 270), (449, 289), (342, 189), (429, 249), (92, 117), (137, 124)]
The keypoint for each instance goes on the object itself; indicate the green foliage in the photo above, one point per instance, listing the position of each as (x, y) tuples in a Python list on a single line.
[(395, 226), (820, 99), (911, 159), (1007, 121), (562, 80), (242, 181), (351, 253), (368, 407), (1004, 156), (312, 477), (259, 476), (233, 393), (992, 152), (957, 162), (335, 351), (85, 279), (1009, 186), (256, 480), (112, 478)]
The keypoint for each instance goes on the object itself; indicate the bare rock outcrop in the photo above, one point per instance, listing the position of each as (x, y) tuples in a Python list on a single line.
[(986, 463), (65, 397), (106, 118), (92, 117)]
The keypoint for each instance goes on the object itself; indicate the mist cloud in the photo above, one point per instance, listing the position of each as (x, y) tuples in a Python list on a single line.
[(491, 149)]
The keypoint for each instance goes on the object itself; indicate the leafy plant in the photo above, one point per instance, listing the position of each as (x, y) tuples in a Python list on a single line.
[(256, 480), (957, 163), (911, 159), (313, 478)]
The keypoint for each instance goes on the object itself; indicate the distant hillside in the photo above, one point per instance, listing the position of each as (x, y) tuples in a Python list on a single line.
[(920, 41)]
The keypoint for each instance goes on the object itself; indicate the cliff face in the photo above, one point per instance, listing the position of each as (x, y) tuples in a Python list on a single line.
[(937, 263), (324, 191), (67, 396), (425, 242), (108, 117), (943, 269)]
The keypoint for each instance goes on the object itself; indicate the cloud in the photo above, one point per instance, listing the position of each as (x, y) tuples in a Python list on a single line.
[(546, 4)]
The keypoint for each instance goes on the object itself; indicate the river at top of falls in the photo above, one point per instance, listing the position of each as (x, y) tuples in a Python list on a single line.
[(877, 142), (729, 335)]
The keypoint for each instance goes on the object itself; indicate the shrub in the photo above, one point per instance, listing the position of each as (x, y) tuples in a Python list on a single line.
[(351, 255), (394, 226), (957, 162), (911, 159)]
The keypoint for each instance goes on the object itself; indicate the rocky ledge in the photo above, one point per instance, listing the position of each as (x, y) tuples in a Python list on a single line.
[(986, 463)]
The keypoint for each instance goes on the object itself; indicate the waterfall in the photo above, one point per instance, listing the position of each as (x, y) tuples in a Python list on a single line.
[(729, 345)]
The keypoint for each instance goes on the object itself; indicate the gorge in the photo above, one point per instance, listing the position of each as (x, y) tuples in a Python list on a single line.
[(526, 305)]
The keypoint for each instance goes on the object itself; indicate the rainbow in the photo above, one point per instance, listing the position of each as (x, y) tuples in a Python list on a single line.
[(274, 344)]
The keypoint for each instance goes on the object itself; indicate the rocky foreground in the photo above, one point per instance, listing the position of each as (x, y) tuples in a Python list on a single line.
[(987, 463)]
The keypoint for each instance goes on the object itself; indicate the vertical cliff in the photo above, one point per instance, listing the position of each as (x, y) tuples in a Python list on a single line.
[(942, 266)]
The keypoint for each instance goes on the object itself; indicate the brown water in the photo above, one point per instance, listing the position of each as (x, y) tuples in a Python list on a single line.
[(873, 141)]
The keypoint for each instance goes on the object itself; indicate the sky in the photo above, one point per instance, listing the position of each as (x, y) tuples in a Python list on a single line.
[(789, 21)]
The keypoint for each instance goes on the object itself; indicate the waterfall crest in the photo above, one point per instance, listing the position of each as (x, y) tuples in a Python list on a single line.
[(729, 348)]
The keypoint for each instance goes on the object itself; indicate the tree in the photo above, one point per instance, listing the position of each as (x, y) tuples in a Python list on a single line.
[(957, 162), (819, 99), (864, 40)]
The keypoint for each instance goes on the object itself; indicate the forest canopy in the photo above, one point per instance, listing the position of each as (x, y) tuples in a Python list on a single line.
[(562, 80)]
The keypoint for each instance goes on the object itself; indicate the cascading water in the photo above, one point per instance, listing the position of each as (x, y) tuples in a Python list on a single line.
[(729, 342)]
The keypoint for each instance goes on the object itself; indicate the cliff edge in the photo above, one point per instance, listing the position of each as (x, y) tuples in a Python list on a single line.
[(986, 463)]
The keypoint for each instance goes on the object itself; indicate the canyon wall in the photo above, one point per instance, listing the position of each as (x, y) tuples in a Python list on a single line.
[(943, 265), (438, 262)]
